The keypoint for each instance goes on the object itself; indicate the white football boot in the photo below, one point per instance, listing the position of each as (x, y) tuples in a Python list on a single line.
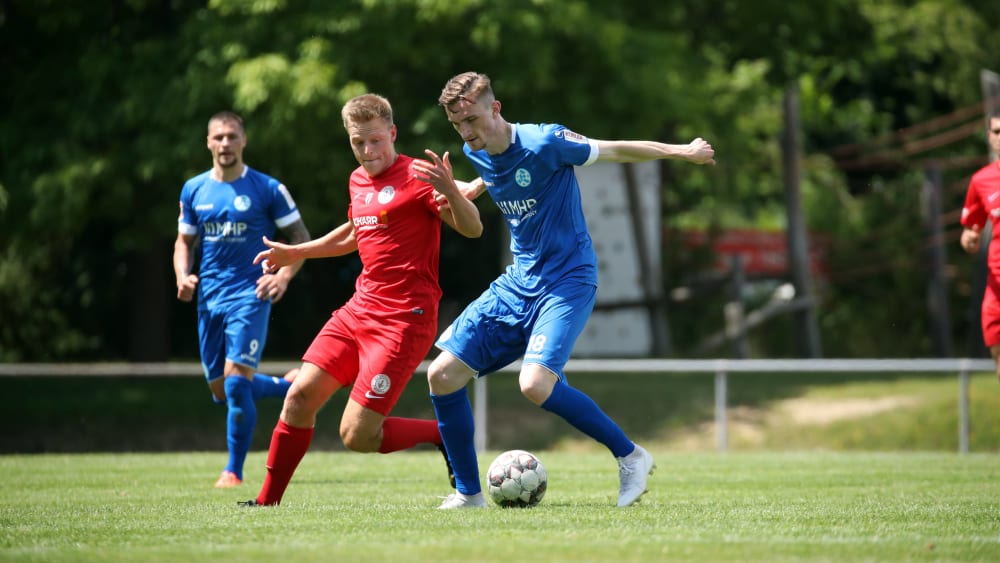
[(633, 470), (459, 500)]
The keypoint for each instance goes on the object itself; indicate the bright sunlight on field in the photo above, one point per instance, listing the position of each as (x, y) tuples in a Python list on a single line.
[(352, 507)]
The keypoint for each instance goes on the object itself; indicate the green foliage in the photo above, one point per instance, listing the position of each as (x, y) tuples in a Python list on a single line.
[(106, 103)]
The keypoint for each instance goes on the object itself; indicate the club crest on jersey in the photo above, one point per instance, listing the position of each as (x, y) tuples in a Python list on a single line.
[(522, 177), (381, 384), (241, 203), (386, 194)]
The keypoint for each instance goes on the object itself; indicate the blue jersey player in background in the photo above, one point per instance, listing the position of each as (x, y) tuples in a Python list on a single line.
[(224, 215), (538, 307)]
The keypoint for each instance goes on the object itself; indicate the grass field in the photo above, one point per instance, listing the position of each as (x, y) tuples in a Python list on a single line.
[(853, 467), (341, 506)]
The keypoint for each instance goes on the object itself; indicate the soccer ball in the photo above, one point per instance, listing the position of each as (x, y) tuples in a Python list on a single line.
[(517, 478)]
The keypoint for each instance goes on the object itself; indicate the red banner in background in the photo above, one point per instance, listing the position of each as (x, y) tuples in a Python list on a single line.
[(764, 253)]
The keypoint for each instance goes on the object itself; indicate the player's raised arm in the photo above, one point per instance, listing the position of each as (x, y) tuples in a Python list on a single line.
[(697, 151)]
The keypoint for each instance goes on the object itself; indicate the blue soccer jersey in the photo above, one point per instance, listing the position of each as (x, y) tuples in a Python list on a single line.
[(534, 185), (230, 218)]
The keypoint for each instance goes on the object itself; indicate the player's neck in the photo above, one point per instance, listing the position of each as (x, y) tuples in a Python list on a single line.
[(503, 140), (227, 174)]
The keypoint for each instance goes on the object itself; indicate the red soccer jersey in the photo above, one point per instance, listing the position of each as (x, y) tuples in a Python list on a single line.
[(398, 229), (982, 201)]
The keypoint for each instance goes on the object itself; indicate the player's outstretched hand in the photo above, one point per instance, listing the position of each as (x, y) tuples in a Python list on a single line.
[(701, 152), (275, 257)]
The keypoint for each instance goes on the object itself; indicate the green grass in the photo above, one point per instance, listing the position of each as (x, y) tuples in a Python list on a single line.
[(774, 506)]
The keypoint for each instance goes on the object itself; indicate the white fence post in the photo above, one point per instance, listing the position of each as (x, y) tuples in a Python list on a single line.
[(963, 411), (721, 414)]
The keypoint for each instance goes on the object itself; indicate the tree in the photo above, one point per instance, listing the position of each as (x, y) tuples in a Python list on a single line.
[(104, 109)]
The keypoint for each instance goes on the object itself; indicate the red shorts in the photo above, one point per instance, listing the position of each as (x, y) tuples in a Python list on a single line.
[(991, 311), (377, 354)]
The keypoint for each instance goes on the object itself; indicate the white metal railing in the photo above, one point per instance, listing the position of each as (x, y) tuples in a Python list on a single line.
[(720, 367)]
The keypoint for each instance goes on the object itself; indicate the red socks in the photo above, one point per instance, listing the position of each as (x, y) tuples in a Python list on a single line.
[(288, 446), (404, 433)]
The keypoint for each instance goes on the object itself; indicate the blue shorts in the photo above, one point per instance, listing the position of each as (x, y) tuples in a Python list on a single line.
[(235, 331), (502, 326)]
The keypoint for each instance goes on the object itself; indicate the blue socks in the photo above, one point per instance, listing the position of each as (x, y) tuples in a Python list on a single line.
[(240, 421), (241, 394), (269, 386), (458, 429), (576, 408)]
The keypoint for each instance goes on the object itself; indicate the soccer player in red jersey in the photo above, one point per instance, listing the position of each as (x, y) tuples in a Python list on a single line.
[(376, 340), (982, 202)]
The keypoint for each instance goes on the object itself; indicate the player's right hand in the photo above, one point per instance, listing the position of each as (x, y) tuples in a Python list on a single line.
[(970, 239), (186, 287), (275, 257)]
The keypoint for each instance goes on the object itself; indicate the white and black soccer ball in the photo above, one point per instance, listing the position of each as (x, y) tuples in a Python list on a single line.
[(517, 478)]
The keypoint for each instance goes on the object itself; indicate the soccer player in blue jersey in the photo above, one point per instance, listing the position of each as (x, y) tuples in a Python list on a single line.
[(224, 214), (538, 307)]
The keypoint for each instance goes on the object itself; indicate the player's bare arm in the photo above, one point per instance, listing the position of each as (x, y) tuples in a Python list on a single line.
[(338, 242), (697, 151), (457, 210), (472, 190), (184, 254)]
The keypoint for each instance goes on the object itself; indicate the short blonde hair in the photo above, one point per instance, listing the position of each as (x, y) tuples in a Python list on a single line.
[(366, 107)]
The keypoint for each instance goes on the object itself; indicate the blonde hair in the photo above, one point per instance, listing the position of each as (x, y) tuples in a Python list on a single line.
[(366, 107)]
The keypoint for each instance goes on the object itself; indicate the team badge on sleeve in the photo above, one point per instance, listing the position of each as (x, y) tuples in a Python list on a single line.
[(571, 136)]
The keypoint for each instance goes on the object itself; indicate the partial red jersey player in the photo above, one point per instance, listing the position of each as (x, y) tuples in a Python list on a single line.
[(982, 202), (376, 340)]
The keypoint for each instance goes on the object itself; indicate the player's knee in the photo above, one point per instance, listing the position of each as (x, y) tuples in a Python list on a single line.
[(297, 403), (535, 392), (239, 391), (536, 385), (437, 377), (435, 372), (446, 375), (356, 440)]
